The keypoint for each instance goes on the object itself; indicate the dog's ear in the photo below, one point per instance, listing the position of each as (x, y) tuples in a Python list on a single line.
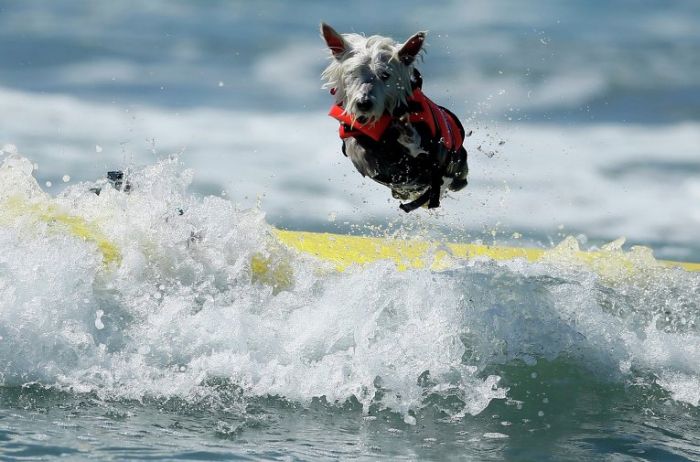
[(334, 40), (410, 49)]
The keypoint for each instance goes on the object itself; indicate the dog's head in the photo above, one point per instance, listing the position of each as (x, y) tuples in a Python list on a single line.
[(370, 75)]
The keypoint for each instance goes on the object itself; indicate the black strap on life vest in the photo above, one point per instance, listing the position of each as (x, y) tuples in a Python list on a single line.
[(411, 206), (431, 195)]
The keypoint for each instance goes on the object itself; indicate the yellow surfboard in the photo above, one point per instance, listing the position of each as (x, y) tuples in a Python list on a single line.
[(344, 251), (48, 212)]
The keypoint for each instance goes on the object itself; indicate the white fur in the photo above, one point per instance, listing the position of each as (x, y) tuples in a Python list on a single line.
[(410, 139)]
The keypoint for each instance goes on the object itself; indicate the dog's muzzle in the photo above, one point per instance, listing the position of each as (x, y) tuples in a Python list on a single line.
[(364, 104)]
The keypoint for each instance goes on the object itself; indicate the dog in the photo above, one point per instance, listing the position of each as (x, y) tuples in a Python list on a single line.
[(390, 130)]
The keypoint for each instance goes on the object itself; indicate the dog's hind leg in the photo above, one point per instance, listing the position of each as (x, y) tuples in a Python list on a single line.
[(458, 169)]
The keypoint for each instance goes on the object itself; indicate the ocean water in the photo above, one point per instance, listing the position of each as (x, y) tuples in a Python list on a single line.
[(586, 123)]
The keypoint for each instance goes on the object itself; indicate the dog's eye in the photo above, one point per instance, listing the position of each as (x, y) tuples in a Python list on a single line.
[(384, 75)]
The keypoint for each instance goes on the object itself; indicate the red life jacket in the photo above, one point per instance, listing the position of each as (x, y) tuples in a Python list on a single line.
[(443, 125)]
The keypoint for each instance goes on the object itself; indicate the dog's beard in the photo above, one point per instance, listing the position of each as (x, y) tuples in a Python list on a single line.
[(364, 118)]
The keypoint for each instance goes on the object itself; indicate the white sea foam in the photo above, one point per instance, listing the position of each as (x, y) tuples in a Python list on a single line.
[(181, 309)]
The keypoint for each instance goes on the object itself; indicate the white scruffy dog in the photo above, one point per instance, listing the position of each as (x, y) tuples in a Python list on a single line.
[(391, 131)]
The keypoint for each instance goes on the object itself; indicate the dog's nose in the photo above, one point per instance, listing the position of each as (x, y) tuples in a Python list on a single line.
[(364, 104)]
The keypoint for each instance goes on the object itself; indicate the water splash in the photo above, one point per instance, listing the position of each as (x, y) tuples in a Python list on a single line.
[(181, 312)]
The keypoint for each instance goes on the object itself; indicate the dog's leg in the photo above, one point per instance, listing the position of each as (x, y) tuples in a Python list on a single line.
[(458, 169), (364, 161)]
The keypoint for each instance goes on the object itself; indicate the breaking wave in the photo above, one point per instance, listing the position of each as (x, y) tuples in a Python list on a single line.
[(178, 309)]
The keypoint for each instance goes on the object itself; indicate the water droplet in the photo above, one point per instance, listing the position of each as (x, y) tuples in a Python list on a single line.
[(98, 320), (66, 178)]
